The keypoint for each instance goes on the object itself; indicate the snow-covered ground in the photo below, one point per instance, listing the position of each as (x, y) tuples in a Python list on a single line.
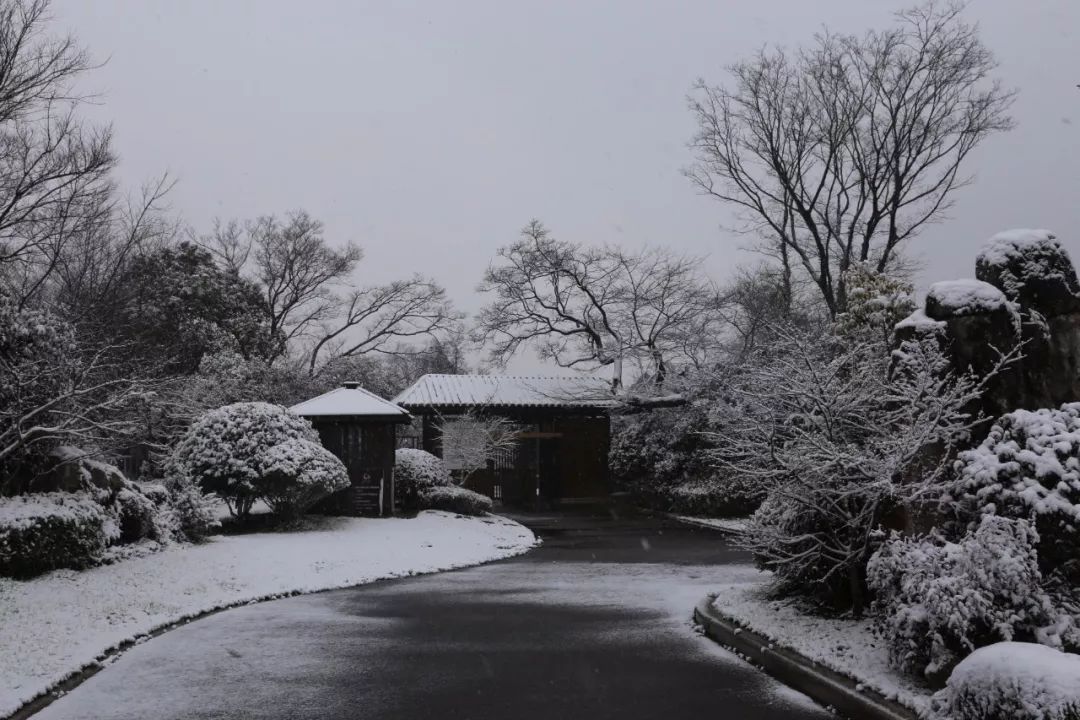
[(55, 625), (731, 525), (847, 646)]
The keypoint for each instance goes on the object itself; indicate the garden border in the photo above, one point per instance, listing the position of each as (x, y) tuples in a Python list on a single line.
[(826, 686)]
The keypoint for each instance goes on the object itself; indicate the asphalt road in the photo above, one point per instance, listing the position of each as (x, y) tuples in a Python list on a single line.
[(594, 624)]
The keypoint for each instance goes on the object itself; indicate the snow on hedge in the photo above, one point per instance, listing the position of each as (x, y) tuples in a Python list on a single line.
[(56, 624), (421, 468), (965, 297), (1012, 681), (299, 473)]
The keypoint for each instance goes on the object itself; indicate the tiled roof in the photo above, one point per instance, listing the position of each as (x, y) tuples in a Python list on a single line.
[(351, 402), (506, 391)]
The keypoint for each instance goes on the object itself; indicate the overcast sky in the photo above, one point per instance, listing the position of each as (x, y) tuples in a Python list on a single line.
[(431, 132)]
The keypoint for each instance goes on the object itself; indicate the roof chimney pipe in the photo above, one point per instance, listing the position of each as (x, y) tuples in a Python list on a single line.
[(351, 385)]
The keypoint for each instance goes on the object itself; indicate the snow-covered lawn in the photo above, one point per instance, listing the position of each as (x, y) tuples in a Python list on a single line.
[(847, 646), (54, 625), (730, 525)]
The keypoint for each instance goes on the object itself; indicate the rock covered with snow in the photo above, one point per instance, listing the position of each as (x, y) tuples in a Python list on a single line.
[(1032, 268), (954, 298), (1025, 299), (1012, 681)]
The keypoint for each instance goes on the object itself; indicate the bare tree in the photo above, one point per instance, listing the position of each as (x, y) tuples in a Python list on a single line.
[(472, 440), (593, 307), (381, 318), (298, 272), (310, 301), (841, 152), (54, 171)]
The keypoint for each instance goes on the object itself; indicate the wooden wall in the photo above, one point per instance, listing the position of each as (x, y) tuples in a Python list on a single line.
[(367, 449)]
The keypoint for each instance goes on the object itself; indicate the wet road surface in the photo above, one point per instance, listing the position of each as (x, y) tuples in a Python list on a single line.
[(593, 624)]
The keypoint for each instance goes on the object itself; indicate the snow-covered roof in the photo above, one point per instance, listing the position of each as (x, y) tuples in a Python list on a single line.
[(507, 391), (350, 401)]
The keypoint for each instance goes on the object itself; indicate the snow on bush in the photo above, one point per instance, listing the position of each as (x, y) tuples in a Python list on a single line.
[(720, 495), (1012, 681), (297, 474), (223, 450), (455, 499), (414, 472), (52, 530), (187, 513), (1029, 466), (939, 601), (951, 298)]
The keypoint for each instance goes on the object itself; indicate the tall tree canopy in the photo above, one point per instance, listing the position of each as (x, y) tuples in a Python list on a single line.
[(840, 152)]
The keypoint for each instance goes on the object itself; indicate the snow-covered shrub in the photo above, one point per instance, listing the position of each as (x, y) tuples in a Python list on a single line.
[(137, 516), (1029, 466), (414, 472), (720, 495), (655, 451), (46, 531), (189, 513), (455, 499), (223, 450), (937, 601), (297, 474), (1012, 681)]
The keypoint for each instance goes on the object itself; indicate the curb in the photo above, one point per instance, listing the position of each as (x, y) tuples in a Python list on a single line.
[(826, 686)]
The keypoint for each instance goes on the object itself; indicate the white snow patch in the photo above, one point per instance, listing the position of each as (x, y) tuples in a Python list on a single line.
[(1009, 244), (966, 297), (919, 321), (849, 647), (1023, 680), (731, 525), (55, 625)]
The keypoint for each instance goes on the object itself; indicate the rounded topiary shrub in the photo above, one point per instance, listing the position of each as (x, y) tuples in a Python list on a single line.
[(414, 472), (455, 499), (47, 531), (1012, 681), (297, 474), (224, 450)]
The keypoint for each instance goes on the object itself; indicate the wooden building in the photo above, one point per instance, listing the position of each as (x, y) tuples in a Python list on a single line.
[(563, 431), (360, 428)]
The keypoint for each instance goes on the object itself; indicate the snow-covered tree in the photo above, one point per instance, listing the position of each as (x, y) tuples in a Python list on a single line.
[(843, 436), (226, 449), (472, 440), (55, 390)]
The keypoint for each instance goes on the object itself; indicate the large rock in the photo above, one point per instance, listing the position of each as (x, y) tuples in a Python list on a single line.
[(1031, 268), (72, 471), (1026, 294)]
